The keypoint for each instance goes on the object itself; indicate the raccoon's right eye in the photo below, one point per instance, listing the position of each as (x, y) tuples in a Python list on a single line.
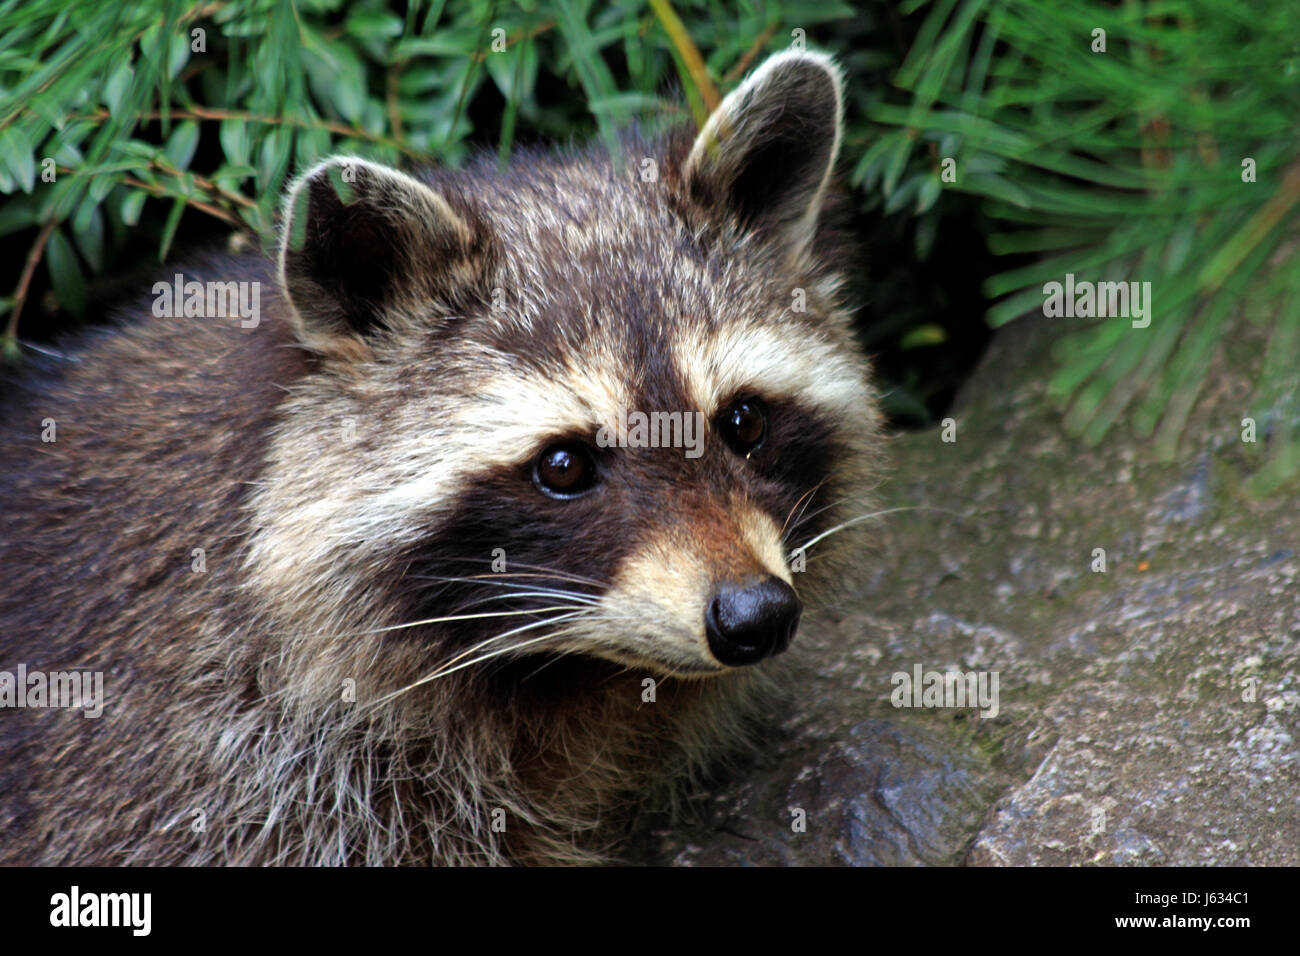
[(565, 470), (744, 426)]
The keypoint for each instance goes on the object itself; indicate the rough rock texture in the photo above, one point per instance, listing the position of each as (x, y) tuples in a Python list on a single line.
[(1149, 714)]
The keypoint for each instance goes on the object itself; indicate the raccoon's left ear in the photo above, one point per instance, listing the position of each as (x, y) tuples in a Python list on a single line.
[(366, 247), (767, 151)]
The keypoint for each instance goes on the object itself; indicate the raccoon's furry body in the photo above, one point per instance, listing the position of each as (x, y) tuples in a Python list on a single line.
[(350, 677)]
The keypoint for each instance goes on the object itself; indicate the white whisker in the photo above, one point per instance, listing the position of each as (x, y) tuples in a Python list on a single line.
[(874, 514), (467, 617), (847, 524), (447, 669), (535, 592)]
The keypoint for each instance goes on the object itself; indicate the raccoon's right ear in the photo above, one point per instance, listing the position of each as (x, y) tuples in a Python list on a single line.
[(765, 154), (366, 246)]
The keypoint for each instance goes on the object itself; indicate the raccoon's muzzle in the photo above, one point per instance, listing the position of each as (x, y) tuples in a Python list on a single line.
[(747, 623)]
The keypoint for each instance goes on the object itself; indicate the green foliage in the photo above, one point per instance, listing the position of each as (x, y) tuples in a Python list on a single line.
[(144, 114), (1125, 164)]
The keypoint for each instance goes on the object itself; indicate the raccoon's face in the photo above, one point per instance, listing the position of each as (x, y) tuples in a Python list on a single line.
[(572, 408)]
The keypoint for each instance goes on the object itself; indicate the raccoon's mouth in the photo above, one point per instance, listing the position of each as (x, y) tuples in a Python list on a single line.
[(662, 666), (696, 670), (675, 665)]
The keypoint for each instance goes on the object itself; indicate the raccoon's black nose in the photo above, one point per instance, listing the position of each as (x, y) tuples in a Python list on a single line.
[(746, 623)]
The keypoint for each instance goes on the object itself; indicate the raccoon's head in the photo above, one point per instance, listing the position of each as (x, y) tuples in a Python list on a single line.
[(477, 463)]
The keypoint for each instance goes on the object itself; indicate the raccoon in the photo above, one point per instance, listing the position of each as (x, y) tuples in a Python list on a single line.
[(364, 583)]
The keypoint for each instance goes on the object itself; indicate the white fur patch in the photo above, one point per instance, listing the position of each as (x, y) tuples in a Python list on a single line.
[(792, 363)]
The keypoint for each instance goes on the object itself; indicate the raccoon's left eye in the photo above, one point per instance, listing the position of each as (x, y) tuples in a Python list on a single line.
[(744, 425), (565, 470)]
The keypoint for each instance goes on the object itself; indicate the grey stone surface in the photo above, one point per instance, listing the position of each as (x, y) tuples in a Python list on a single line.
[(1149, 714)]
